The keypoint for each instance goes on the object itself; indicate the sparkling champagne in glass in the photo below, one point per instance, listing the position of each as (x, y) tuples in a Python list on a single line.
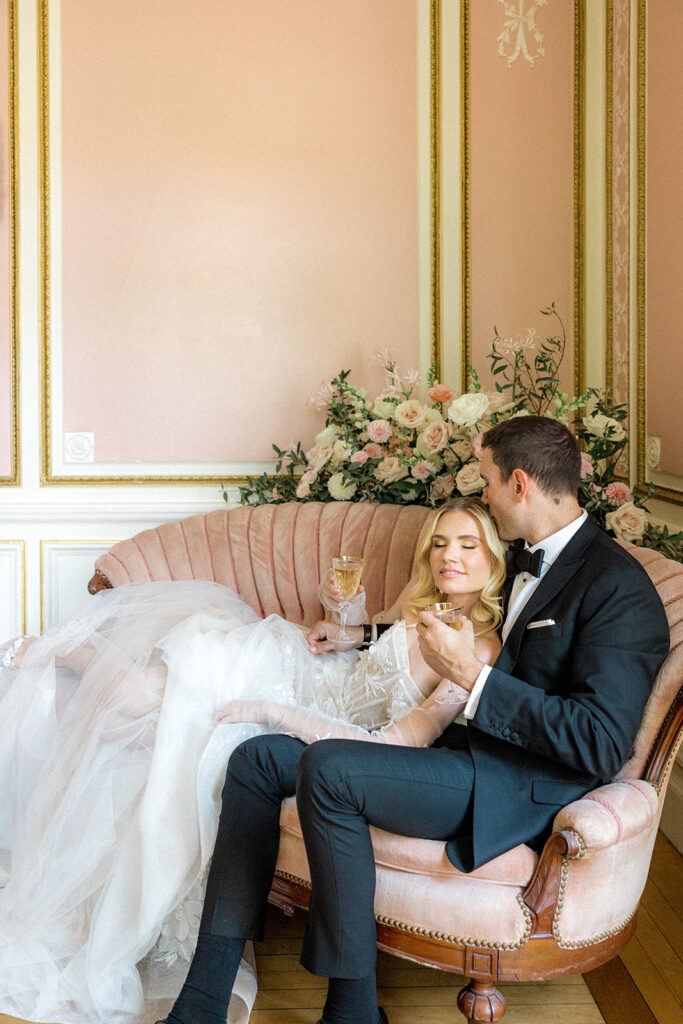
[(348, 570), (449, 613)]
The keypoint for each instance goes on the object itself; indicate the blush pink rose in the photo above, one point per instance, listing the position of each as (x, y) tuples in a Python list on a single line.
[(380, 431), (433, 438), (586, 465), (618, 493), (361, 456), (440, 393)]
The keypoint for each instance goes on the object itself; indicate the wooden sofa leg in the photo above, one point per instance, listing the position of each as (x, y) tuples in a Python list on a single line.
[(481, 1001)]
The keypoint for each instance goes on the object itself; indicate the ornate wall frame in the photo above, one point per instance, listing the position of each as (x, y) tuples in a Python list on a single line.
[(48, 474), (13, 479), (579, 191)]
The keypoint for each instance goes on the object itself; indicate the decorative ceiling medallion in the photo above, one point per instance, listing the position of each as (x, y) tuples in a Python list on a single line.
[(514, 35)]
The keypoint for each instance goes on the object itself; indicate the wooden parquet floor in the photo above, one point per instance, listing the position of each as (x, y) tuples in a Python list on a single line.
[(642, 986)]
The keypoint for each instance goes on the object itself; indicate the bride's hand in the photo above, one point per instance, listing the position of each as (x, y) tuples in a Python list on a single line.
[(322, 638), (330, 595)]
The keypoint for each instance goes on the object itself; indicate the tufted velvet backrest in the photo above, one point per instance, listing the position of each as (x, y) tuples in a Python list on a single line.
[(274, 555)]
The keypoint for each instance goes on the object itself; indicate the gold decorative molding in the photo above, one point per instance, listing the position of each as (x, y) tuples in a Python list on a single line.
[(465, 143), (579, 195), (435, 179), (609, 171), (48, 477), (666, 493), (14, 478), (579, 192)]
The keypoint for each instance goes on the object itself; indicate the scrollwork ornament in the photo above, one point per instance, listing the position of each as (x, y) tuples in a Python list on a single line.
[(513, 39)]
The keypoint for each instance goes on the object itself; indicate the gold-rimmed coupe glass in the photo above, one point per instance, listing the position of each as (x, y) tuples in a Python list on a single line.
[(446, 611), (348, 570)]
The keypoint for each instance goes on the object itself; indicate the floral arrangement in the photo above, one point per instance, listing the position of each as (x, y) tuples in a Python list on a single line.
[(408, 447)]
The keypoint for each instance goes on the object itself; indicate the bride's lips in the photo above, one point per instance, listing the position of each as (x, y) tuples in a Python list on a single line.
[(451, 573)]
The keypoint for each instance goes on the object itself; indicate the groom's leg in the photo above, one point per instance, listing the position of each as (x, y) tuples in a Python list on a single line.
[(261, 773), (344, 786)]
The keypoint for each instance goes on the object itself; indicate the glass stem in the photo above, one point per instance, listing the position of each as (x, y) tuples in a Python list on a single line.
[(343, 611)]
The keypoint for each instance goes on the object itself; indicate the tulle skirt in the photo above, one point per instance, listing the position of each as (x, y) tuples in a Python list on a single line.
[(111, 768)]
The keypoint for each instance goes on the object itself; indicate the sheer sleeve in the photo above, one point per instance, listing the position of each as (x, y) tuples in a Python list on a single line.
[(419, 727)]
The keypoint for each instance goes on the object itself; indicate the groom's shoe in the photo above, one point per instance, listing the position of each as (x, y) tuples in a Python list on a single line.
[(381, 1020)]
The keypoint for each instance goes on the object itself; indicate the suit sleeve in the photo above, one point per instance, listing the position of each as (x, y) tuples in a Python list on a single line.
[(578, 699)]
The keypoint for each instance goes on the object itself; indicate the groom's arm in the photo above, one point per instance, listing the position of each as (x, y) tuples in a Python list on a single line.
[(590, 687)]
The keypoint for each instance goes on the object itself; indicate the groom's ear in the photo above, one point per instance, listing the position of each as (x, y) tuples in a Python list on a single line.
[(520, 483)]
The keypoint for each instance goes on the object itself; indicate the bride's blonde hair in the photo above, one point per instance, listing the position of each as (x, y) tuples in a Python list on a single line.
[(487, 608)]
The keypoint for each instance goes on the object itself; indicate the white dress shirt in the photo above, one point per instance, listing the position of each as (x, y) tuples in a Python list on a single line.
[(522, 589)]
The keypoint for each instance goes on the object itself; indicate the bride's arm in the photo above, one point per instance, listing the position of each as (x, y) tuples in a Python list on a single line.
[(418, 728)]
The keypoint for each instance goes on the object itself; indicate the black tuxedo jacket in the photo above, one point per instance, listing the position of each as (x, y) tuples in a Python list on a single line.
[(563, 702)]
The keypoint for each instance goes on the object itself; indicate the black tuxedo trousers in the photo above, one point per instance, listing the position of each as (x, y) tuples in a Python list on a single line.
[(341, 786)]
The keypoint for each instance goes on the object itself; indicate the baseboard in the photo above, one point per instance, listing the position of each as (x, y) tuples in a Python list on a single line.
[(671, 822)]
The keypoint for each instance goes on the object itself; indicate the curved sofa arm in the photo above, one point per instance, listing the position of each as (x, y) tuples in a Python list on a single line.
[(611, 814), (617, 818)]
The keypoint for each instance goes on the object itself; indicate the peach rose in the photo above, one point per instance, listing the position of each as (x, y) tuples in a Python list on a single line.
[(318, 455), (586, 465), (390, 470), (433, 438), (440, 393), (409, 413), (443, 486), (468, 479), (628, 522), (304, 486)]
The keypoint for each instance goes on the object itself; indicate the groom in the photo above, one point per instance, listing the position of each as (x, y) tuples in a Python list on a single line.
[(584, 636)]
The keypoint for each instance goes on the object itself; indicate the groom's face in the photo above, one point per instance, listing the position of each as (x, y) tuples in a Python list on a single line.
[(500, 497)]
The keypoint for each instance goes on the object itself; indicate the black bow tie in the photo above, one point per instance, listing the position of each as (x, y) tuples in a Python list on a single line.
[(520, 559)]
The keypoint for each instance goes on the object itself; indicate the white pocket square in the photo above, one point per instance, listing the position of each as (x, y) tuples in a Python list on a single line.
[(541, 622)]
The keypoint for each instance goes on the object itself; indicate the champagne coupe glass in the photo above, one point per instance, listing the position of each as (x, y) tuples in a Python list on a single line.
[(449, 613), (348, 570)]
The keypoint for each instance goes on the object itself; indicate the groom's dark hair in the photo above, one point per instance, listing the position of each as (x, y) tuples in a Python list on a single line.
[(543, 448)]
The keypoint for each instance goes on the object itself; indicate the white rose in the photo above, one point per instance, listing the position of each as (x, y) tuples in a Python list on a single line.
[(384, 407), (469, 408), (433, 438), (390, 470), (431, 415), (628, 522), (604, 426), (328, 436), (340, 451), (410, 413), (341, 489), (468, 479)]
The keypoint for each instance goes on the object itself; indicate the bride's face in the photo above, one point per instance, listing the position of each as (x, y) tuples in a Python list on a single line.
[(459, 557)]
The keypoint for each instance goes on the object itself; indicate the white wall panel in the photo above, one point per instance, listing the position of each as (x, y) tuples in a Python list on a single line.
[(12, 589)]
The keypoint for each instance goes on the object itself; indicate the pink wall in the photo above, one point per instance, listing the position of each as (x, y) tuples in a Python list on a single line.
[(521, 171), (5, 321), (239, 218), (664, 143)]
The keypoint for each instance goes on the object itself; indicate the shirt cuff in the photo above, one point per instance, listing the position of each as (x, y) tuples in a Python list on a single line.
[(470, 709)]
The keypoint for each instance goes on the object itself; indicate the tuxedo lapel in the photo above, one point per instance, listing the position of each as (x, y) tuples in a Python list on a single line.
[(568, 562)]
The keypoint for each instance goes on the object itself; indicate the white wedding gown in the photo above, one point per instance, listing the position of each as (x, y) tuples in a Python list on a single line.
[(111, 779)]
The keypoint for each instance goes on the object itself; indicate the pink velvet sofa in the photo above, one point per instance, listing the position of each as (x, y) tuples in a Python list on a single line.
[(520, 917)]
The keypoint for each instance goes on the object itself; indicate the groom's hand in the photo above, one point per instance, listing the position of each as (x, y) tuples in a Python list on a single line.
[(449, 652), (322, 638)]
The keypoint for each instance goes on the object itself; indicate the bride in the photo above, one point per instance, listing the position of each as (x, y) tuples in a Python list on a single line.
[(112, 763)]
